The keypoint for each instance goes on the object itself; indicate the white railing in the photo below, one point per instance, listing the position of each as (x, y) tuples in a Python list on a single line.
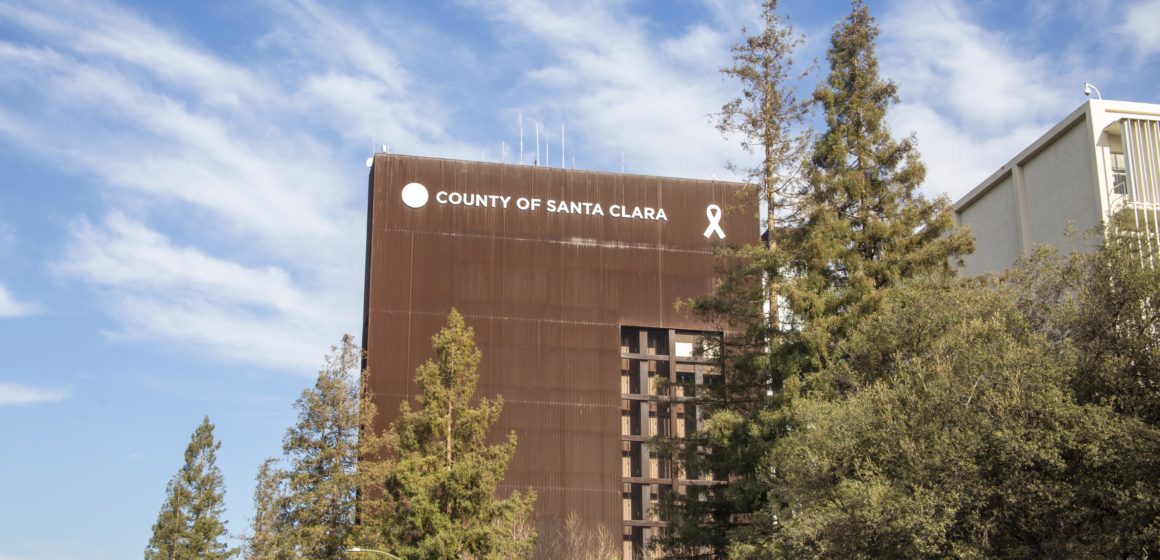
[(1137, 210)]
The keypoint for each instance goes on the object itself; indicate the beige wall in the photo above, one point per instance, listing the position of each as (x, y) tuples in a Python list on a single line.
[(1059, 181), (1061, 192), (994, 220), (1035, 196)]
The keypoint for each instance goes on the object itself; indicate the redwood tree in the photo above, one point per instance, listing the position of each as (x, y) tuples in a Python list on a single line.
[(865, 227), (768, 118)]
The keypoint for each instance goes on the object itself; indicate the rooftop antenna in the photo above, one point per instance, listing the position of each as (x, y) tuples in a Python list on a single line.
[(521, 138), (1087, 90), (537, 143), (502, 152), (562, 160), (547, 152), (622, 161)]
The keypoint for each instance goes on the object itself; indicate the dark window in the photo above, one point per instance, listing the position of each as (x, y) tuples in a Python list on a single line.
[(1119, 174)]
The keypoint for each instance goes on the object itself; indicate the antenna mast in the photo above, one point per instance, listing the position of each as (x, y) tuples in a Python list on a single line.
[(521, 138)]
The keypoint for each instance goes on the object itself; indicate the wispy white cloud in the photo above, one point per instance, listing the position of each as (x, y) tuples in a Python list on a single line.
[(350, 73), (123, 252), (15, 394), (10, 306), (233, 185), (1139, 26), (976, 75), (178, 294), (105, 30), (156, 143), (974, 96), (621, 88), (234, 218), (732, 15)]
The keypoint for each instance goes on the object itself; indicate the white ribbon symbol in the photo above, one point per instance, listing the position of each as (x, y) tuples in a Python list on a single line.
[(713, 212)]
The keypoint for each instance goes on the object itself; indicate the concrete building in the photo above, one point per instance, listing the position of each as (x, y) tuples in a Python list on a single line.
[(569, 279), (1097, 168)]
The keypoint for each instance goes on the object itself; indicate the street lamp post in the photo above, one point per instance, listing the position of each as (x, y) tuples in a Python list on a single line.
[(373, 551)]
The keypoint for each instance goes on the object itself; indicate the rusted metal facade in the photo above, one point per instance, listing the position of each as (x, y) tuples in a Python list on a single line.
[(547, 292)]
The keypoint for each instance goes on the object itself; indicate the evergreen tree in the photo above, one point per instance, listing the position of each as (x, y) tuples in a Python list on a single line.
[(267, 539), (434, 492), (854, 228), (189, 525), (169, 533), (864, 227), (768, 118), (317, 510), (307, 508)]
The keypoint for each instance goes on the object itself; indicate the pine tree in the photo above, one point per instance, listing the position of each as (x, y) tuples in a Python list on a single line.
[(317, 510), (434, 494), (169, 533), (189, 525), (854, 227), (306, 504), (864, 227), (769, 118), (267, 539)]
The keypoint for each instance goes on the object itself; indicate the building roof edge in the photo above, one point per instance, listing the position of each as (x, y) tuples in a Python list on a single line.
[(1046, 139)]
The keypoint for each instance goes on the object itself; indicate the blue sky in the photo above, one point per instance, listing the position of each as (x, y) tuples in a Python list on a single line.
[(182, 202)]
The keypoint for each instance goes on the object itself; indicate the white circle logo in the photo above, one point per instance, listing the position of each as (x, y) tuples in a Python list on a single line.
[(414, 195)]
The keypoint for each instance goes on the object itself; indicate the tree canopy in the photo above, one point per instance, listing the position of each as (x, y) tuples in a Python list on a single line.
[(306, 503), (966, 426), (864, 227), (851, 227), (433, 494), (190, 524)]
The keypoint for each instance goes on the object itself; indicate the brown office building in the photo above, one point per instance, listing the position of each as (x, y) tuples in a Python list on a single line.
[(569, 279)]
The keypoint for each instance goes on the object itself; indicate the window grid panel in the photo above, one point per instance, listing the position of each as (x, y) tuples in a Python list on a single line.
[(660, 372)]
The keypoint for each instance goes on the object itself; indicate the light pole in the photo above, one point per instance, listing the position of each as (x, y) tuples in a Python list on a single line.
[(373, 551)]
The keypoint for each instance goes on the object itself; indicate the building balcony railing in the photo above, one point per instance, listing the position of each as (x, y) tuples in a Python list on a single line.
[(1134, 182)]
